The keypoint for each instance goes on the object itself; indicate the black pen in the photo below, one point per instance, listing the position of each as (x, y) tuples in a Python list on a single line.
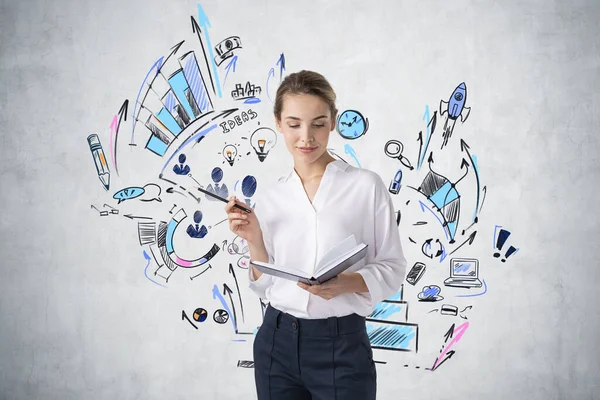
[(224, 200)]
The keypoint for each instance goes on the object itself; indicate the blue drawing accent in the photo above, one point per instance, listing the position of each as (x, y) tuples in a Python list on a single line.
[(156, 66), (128, 193), (217, 294), (271, 73), (252, 100), (167, 119), (485, 288), (204, 23), (192, 74), (444, 195), (157, 146), (476, 169), (426, 118), (392, 336), (424, 206), (457, 101), (231, 65), (180, 86), (148, 259), (350, 150), (281, 63), (384, 310), (169, 239), (192, 138), (494, 239)]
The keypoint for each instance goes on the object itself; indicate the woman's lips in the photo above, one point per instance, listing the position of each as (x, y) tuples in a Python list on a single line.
[(306, 149)]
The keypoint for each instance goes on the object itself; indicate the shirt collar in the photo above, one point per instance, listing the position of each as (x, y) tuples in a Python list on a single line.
[(338, 163)]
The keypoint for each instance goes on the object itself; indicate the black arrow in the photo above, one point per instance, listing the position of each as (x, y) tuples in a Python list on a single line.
[(231, 271), (196, 29), (449, 334), (469, 239), (185, 317), (227, 290), (122, 117), (448, 356)]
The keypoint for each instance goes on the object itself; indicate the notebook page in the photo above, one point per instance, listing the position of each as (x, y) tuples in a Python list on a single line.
[(335, 253)]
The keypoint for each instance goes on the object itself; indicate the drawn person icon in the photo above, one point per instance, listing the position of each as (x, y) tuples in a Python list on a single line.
[(218, 189), (248, 188), (197, 231), (181, 169)]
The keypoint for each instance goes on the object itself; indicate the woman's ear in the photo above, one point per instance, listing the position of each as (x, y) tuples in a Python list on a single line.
[(278, 125), (333, 121)]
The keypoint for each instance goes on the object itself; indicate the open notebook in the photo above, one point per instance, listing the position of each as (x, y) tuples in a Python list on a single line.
[(337, 260)]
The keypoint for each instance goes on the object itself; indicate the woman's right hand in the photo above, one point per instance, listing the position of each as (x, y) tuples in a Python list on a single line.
[(243, 224)]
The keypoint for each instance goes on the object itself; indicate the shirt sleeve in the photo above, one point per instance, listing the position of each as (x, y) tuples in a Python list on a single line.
[(384, 275), (260, 285)]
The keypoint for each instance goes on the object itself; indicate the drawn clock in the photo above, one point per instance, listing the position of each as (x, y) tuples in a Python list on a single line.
[(351, 124)]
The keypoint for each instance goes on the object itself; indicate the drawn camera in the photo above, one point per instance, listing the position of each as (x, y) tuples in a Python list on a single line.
[(228, 44)]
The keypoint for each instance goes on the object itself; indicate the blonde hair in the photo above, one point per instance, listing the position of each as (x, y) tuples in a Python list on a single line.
[(305, 82)]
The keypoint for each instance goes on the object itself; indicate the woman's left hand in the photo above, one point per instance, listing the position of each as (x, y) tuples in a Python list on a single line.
[(343, 283)]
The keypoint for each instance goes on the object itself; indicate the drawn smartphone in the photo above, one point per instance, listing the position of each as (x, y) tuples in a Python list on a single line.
[(415, 273)]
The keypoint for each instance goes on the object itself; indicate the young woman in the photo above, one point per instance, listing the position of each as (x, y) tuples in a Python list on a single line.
[(313, 342)]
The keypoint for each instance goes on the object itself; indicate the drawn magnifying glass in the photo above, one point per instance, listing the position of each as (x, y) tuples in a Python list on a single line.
[(394, 149)]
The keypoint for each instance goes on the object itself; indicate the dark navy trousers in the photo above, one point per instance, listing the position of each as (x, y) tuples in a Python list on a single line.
[(320, 359)]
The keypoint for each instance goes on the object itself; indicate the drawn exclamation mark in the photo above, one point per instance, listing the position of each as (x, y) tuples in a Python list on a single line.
[(502, 237)]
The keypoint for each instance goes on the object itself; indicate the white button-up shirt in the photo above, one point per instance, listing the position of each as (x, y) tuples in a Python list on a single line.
[(297, 234)]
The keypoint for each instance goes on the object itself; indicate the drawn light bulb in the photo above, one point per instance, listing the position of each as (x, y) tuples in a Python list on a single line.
[(262, 140), (230, 153)]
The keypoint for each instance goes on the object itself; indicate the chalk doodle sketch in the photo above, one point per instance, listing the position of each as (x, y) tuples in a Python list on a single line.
[(194, 137)]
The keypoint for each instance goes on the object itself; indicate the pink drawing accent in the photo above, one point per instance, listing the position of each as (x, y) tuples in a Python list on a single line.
[(458, 332), (184, 263)]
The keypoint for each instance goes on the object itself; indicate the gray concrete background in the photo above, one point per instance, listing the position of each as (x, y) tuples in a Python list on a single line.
[(79, 321)]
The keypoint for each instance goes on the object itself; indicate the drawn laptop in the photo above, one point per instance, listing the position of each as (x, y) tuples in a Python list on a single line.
[(464, 272)]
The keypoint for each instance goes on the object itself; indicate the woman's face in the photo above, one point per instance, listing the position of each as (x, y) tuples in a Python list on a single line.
[(305, 123)]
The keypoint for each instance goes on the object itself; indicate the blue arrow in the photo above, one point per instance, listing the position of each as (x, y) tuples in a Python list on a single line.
[(424, 206), (148, 258), (349, 150), (204, 23), (281, 63), (217, 294), (232, 64)]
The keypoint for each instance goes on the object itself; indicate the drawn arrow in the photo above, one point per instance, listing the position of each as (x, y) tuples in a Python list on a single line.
[(232, 272), (442, 223), (449, 334), (448, 356), (174, 50), (217, 294), (227, 290), (269, 75), (470, 240), (281, 63), (202, 27), (465, 147), (148, 259), (114, 129), (185, 317), (430, 130), (231, 65)]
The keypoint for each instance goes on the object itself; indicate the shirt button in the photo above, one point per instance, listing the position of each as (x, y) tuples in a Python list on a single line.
[(294, 325)]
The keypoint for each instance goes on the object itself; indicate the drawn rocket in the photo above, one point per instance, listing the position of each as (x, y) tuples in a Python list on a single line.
[(455, 107)]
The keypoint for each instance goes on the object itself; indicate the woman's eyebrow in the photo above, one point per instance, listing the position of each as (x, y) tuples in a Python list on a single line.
[(298, 119)]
